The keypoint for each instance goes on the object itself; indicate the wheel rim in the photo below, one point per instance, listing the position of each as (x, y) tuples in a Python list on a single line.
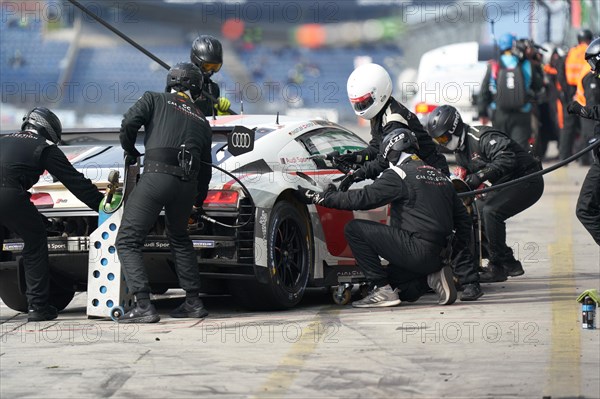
[(288, 254)]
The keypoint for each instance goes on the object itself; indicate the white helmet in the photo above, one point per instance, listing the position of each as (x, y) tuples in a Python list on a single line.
[(369, 88)]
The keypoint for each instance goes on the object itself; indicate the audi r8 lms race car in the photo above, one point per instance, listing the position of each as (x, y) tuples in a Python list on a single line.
[(261, 245)]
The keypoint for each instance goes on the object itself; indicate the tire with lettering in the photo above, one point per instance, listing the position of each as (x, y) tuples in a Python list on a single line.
[(289, 258)]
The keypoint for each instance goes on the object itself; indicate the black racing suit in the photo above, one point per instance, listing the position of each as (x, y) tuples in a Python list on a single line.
[(206, 105), (424, 212), (496, 158), (170, 120), (591, 91), (394, 116), (23, 158), (588, 203)]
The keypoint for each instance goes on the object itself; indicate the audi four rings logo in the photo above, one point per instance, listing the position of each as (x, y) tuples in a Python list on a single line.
[(241, 140)]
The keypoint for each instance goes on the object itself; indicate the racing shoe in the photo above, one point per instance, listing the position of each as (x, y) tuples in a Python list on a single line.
[(380, 297), (140, 315), (442, 282), (471, 292), (41, 312), (513, 268), (190, 310), (493, 274)]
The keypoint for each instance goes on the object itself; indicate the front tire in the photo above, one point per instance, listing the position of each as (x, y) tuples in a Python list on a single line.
[(12, 296), (289, 257)]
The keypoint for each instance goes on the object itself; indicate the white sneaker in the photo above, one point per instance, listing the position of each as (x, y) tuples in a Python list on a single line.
[(380, 297)]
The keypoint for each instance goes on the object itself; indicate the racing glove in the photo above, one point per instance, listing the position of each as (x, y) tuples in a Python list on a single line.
[(307, 196), (353, 157), (131, 158), (474, 180), (332, 156), (351, 178), (222, 106)]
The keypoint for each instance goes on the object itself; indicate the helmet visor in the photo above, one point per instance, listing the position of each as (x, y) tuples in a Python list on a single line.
[(443, 139), (211, 67), (362, 103)]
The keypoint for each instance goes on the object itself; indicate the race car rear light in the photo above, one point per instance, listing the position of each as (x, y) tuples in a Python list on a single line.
[(42, 200), (424, 108), (218, 199)]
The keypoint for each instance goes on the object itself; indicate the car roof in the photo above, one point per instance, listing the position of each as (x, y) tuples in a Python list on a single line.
[(221, 124)]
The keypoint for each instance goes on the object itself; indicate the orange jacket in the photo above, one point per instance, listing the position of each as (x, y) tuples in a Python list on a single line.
[(574, 63), (580, 95)]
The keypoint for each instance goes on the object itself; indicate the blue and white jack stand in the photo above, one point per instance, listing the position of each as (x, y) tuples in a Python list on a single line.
[(107, 290)]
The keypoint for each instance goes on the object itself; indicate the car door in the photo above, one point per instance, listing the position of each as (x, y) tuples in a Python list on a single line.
[(321, 142)]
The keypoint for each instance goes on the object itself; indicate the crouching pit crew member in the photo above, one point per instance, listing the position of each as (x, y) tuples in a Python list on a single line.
[(177, 137), (489, 155), (425, 211), (23, 158)]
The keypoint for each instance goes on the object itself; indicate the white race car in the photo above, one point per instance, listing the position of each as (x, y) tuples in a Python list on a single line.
[(282, 246)]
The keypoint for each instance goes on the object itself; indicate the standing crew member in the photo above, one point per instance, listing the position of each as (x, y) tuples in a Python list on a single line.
[(23, 158), (588, 203), (425, 211), (507, 90), (370, 93), (574, 64), (588, 94), (207, 54), (177, 138), (489, 155)]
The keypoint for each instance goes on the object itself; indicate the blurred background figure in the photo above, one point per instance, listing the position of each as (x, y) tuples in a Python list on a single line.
[(575, 65), (509, 88)]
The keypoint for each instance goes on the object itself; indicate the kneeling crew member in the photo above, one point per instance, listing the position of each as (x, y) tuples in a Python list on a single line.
[(425, 211), (23, 158), (177, 137), (490, 155)]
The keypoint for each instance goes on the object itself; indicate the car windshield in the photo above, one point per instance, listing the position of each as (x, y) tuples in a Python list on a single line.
[(326, 141)]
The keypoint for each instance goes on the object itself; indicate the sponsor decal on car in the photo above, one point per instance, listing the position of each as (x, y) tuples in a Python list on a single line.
[(203, 243), (10, 246)]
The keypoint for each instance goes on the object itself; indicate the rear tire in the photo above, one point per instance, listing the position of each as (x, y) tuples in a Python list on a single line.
[(12, 296), (289, 257)]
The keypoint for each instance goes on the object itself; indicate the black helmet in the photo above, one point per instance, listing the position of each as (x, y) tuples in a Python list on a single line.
[(584, 35), (207, 54), (45, 123), (443, 123), (185, 76), (592, 55), (396, 142)]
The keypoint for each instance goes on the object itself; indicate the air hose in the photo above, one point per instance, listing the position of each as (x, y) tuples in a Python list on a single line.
[(595, 143)]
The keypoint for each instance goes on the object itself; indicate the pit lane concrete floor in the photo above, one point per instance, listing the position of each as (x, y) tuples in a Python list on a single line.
[(522, 339)]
